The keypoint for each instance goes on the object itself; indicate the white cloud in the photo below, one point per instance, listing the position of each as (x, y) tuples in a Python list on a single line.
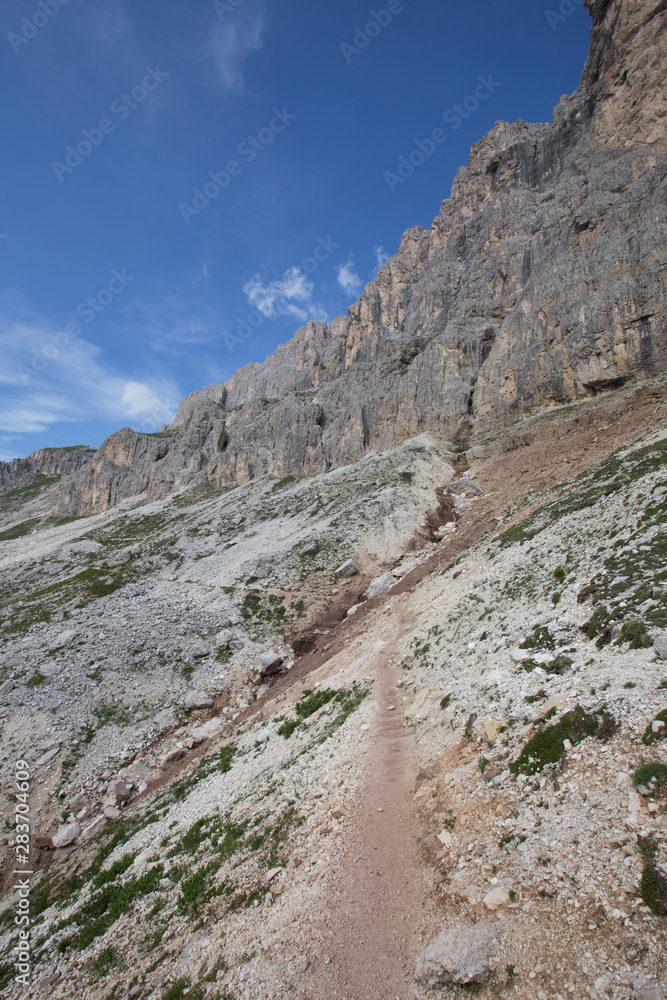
[(348, 279), (50, 378), (233, 37), (291, 295), (141, 401), (382, 258)]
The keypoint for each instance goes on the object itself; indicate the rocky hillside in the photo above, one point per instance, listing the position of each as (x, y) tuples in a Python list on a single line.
[(384, 731), (327, 699), (540, 281)]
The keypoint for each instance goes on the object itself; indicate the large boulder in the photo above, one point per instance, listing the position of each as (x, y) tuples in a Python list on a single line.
[(660, 645), (380, 585), (94, 827), (459, 955), (66, 835), (199, 650), (347, 569), (198, 699), (270, 664)]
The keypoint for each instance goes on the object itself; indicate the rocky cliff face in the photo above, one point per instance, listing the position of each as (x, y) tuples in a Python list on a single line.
[(542, 280), (45, 462)]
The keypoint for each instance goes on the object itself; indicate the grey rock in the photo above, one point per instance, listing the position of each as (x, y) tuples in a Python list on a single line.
[(460, 955), (122, 790), (170, 758), (645, 990), (347, 569), (48, 757), (94, 827), (45, 462), (119, 558), (79, 801), (200, 650), (6, 687), (263, 572), (309, 549), (224, 639), (66, 835), (465, 488), (660, 645), (380, 585), (65, 639), (198, 699), (271, 664)]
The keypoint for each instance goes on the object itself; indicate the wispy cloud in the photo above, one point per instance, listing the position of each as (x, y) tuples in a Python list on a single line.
[(49, 378), (348, 279), (291, 295), (232, 38), (381, 258)]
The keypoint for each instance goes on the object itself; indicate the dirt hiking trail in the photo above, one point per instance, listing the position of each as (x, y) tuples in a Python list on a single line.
[(376, 898)]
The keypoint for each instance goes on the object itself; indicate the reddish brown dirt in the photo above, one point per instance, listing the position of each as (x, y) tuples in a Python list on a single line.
[(376, 895)]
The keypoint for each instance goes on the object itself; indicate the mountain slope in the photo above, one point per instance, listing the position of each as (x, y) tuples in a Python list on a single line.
[(541, 281)]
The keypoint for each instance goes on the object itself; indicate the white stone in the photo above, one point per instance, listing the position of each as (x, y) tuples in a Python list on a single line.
[(348, 568), (380, 585), (66, 835), (495, 899), (198, 699), (94, 828)]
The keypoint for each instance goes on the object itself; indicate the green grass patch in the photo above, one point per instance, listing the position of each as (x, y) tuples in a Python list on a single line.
[(106, 906), (311, 701), (649, 737), (19, 530), (546, 747), (655, 773), (653, 887)]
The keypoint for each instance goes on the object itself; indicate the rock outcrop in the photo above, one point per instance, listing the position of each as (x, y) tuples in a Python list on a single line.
[(45, 462), (542, 280)]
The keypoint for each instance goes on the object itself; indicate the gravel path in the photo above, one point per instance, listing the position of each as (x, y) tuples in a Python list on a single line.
[(376, 898)]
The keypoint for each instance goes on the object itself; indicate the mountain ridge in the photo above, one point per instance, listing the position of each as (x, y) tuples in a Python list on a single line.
[(539, 282)]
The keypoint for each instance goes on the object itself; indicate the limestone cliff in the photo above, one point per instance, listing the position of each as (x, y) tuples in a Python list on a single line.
[(45, 462), (541, 280)]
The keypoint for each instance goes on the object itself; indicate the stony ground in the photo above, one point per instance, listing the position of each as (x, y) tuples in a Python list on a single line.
[(467, 749)]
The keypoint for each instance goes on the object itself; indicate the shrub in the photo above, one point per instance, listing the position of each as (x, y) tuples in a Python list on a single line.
[(546, 747), (635, 633), (653, 886), (655, 771), (649, 736)]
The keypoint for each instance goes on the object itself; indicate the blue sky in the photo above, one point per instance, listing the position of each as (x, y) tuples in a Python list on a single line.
[(185, 183)]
